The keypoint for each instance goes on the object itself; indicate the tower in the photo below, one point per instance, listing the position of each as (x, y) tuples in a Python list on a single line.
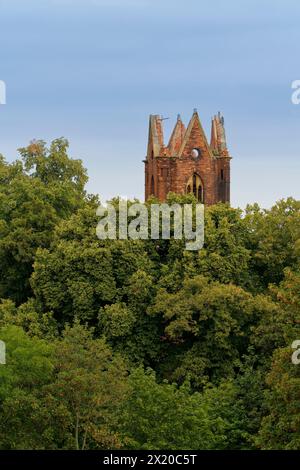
[(188, 164)]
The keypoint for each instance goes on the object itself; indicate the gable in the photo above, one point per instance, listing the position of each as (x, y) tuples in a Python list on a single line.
[(194, 138)]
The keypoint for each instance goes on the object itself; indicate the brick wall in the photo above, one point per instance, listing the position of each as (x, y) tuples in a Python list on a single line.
[(170, 173)]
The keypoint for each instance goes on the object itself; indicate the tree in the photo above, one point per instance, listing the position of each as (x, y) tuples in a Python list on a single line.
[(210, 324), (34, 196), (274, 236), (225, 256), (29, 318), (29, 367), (279, 326), (80, 274), (64, 394), (162, 416), (89, 384), (280, 428)]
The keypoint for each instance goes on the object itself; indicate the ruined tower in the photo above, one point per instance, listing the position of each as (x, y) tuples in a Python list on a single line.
[(188, 164)]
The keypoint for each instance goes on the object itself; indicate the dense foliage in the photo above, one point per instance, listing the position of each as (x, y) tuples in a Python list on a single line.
[(142, 344)]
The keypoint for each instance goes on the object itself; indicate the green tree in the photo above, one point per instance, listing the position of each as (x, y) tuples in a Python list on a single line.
[(89, 384), (64, 394), (279, 326), (163, 416), (280, 428), (34, 195), (29, 367), (211, 324), (80, 274), (274, 237), (28, 317)]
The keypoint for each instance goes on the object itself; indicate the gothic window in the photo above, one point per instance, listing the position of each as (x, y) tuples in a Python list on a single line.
[(222, 175), (200, 193), (195, 186), (152, 186)]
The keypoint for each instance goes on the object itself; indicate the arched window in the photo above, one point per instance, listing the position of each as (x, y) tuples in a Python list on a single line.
[(195, 186), (200, 193), (152, 185)]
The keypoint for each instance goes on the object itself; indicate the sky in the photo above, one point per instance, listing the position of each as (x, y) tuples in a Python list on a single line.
[(93, 70)]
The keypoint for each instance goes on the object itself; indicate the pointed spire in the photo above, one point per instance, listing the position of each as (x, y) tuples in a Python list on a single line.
[(218, 137), (155, 138), (176, 137), (194, 137), (214, 137)]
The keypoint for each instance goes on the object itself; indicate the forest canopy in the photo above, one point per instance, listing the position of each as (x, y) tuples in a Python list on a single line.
[(141, 344)]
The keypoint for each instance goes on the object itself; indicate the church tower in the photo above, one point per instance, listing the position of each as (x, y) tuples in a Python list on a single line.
[(188, 164)]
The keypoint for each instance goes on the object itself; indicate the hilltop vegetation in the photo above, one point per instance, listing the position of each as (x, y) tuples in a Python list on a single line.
[(142, 344)]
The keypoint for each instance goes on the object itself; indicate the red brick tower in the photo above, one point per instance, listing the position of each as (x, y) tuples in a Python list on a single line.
[(188, 163)]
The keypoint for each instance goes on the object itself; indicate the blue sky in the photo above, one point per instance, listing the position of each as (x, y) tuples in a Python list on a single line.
[(93, 70)]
